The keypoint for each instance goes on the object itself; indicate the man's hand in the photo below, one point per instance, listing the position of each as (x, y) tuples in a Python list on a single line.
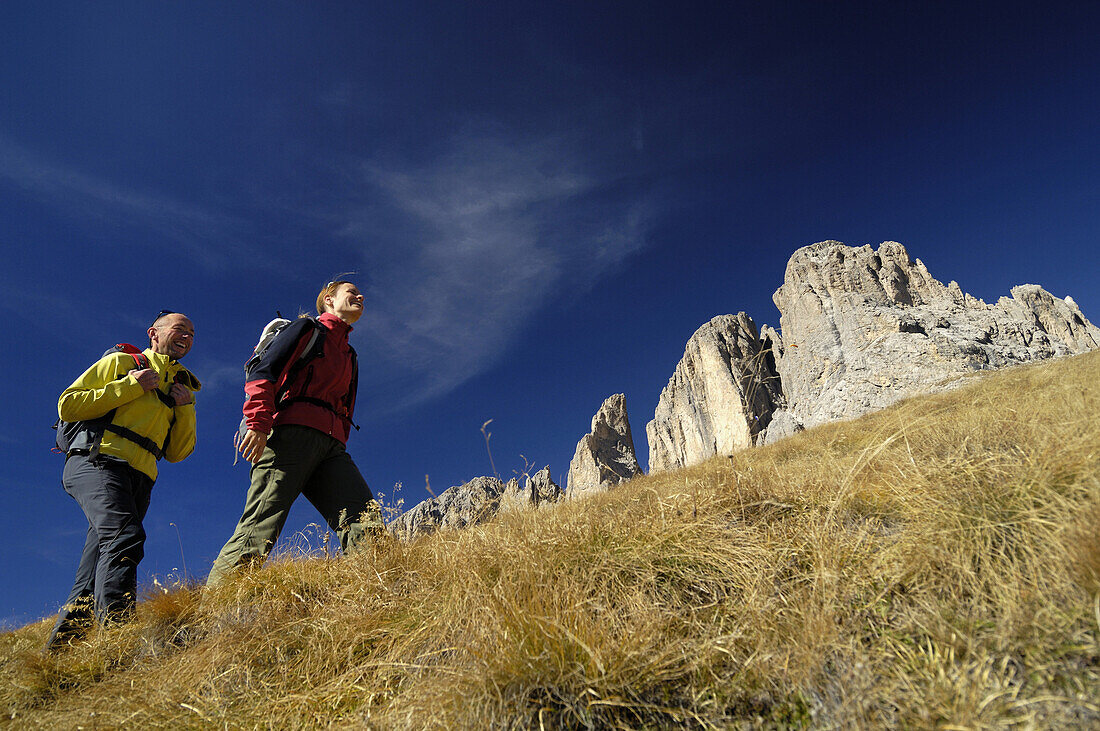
[(252, 446), (147, 378), (180, 393)]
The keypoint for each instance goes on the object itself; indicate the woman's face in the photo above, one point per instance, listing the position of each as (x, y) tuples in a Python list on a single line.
[(346, 303)]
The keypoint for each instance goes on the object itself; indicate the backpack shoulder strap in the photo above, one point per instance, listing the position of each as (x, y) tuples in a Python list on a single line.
[(353, 387), (141, 360), (316, 334), (314, 348)]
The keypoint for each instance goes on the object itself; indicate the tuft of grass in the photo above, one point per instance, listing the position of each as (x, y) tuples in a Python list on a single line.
[(934, 564)]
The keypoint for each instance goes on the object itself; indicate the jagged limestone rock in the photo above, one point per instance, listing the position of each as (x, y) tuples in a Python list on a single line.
[(605, 456), (457, 507), (539, 489), (514, 497), (771, 339), (860, 329), (543, 489), (863, 328), (720, 397), (783, 424)]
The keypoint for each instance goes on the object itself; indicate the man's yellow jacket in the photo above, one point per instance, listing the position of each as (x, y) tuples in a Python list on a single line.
[(107, 385)]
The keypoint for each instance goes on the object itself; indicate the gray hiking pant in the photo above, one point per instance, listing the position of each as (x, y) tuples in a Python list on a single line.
[(298, 460), (114, 497)]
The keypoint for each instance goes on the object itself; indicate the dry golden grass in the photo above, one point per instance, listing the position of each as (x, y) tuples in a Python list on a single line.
[(933, 565)]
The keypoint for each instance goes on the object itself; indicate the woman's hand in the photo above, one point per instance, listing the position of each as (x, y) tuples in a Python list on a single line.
[(252, 446)]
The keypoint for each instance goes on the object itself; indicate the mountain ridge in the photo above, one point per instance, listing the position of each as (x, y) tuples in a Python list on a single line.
[(860, 328)]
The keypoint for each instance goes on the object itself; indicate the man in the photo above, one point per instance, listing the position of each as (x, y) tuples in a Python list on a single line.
[(298, 415), (150, 414)]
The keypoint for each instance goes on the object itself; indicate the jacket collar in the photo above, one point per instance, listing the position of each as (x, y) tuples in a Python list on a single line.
[(164, 364), (159, 361), (334, 323)]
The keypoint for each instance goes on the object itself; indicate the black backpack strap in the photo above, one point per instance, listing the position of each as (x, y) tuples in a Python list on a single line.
[(349, 400), (84, 436), (353, 388), (315, 348), (165, 398), (142, 362), (310, 400), (318, 402), (144, 442)]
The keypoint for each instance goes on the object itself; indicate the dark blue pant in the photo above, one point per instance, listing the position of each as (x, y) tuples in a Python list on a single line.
[(114, 498)]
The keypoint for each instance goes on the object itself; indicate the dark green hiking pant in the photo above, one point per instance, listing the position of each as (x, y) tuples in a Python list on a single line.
[(298, 460)]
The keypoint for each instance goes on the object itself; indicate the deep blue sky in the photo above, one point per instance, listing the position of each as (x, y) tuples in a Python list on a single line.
[(543, 201)]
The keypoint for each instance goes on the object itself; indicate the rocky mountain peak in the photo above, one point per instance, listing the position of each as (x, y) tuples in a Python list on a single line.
[(862, 328)]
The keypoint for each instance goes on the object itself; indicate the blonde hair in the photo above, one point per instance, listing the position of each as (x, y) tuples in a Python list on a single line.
[(329, 289)]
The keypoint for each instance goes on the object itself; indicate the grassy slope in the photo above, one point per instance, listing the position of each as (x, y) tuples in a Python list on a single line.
[(937, 563)]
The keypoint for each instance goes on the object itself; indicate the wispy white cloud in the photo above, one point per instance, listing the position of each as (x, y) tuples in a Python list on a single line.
[(208, 238), (218, 377), (463, 251)]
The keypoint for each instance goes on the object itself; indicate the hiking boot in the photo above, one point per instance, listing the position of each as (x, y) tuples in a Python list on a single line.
[(67, 631)]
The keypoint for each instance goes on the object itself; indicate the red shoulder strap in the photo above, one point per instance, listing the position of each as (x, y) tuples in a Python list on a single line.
[(139, 357)]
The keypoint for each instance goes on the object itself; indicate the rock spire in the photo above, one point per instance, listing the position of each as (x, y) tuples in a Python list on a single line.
[(605, 456), (860, 328), (720, 397)]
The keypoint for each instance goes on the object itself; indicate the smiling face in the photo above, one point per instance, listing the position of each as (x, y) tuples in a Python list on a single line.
[(346, 303), (172, 335)]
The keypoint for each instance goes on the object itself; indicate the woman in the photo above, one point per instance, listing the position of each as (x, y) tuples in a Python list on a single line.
[(298, 413)]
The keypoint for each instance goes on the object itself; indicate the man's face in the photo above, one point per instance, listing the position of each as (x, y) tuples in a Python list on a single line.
[(172, 336), (346, 303)]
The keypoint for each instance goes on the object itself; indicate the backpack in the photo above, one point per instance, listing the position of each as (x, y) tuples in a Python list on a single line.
[(84, 437), (267, 336), (313, 348)]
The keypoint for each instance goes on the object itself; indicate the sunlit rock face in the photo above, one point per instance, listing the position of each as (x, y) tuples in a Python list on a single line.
[(605, 456), (457, 507), (862, 328), (720, 397)]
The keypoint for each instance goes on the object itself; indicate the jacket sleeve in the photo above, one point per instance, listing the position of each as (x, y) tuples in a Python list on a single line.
[(100, 389), (181, 440), (259, 391)]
